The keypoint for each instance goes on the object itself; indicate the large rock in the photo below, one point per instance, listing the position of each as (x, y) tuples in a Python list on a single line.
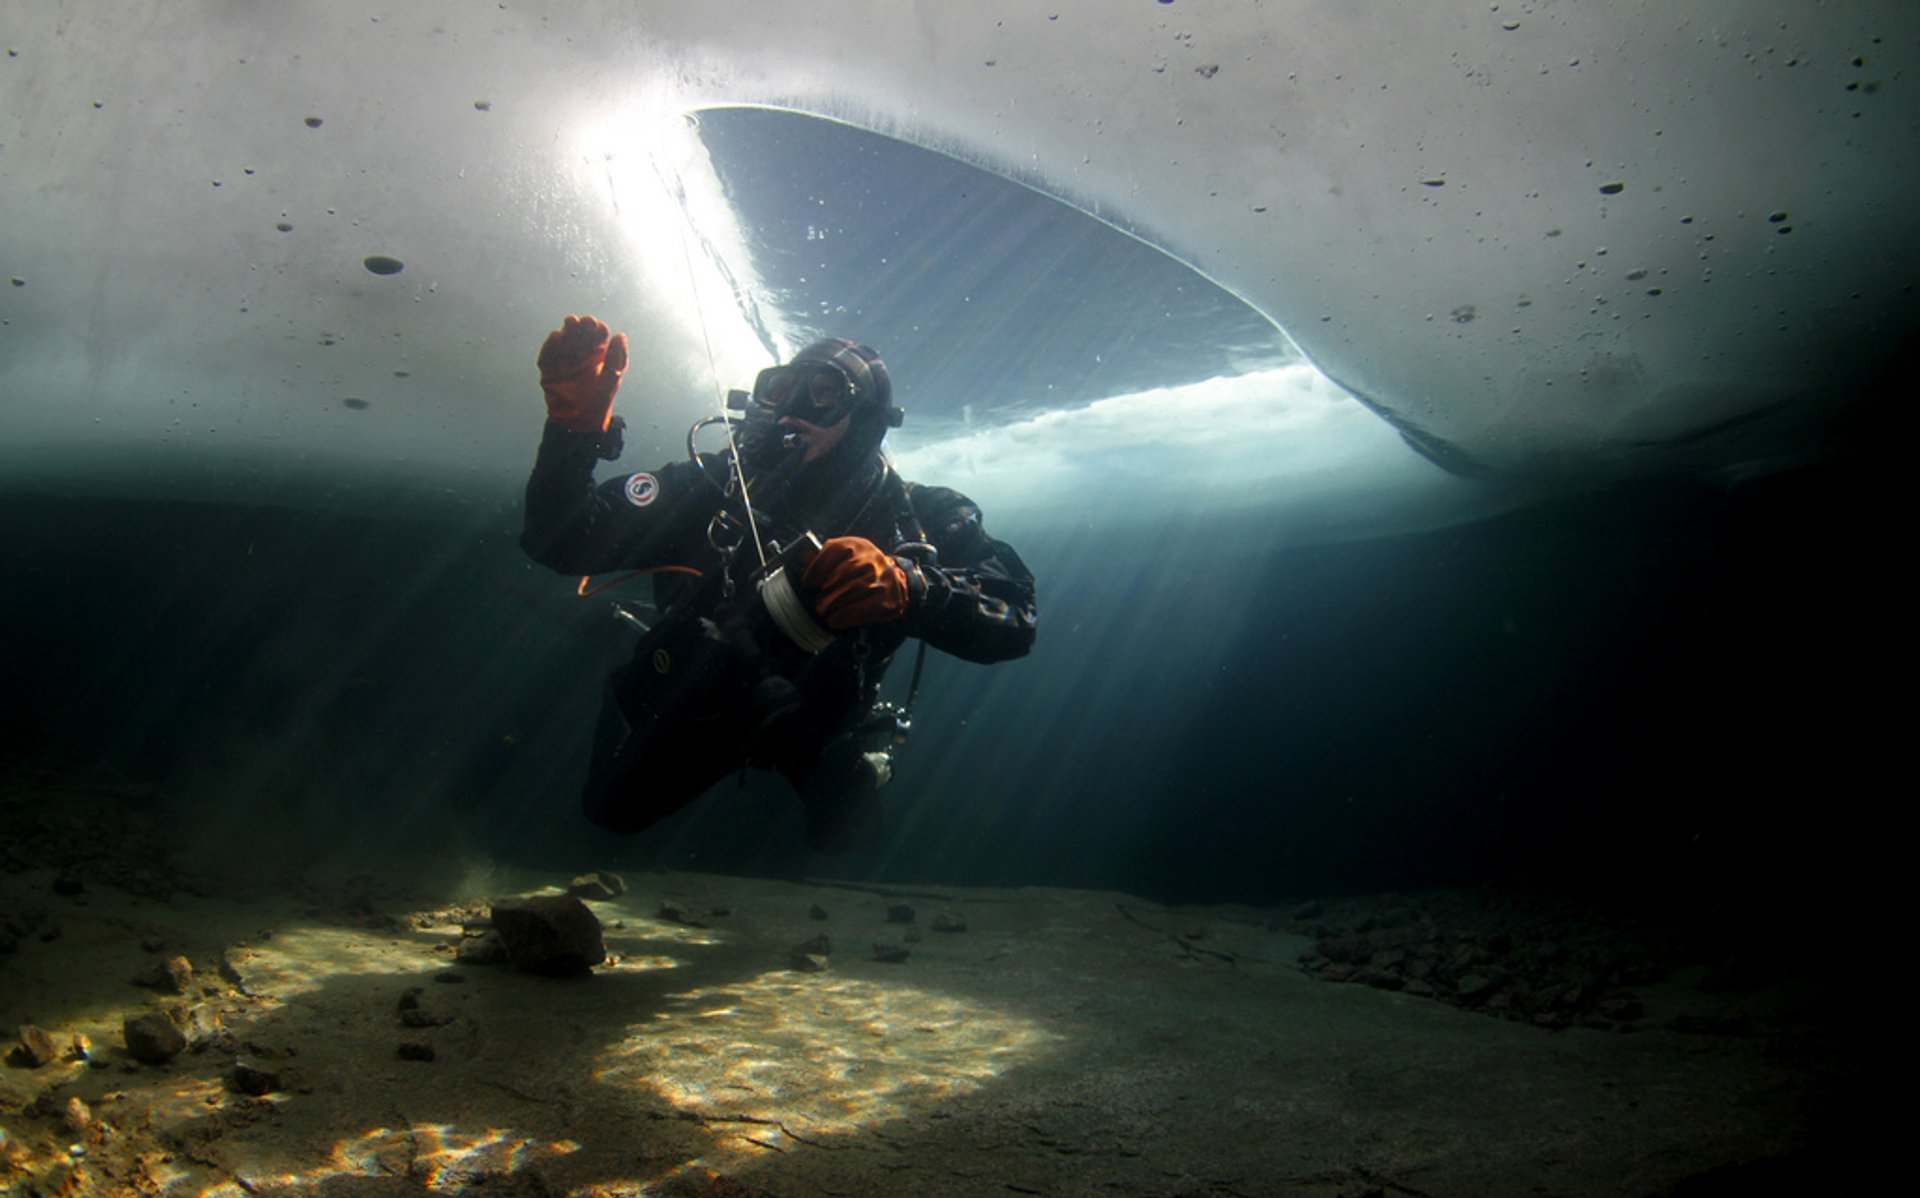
[(550, 934)]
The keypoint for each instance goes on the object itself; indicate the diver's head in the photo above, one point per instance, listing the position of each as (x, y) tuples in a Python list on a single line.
[(834, 398)]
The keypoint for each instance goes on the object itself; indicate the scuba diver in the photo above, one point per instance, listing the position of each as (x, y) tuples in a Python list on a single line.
[(788, 569)]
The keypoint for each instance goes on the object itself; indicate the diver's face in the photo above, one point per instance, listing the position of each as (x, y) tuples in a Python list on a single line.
[(818, 440)]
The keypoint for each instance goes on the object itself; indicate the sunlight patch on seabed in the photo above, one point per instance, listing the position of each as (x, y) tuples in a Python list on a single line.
[(798, 1055), (300, 960), (435, 1156)]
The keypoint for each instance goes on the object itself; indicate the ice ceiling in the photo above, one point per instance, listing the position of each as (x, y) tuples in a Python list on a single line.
[(1538, 241)]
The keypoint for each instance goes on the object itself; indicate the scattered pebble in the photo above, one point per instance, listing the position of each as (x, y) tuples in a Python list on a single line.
[(253, 1080), (485, 948), (37, 1047), (599, 885), (415, 1050), (381, 264), (153, 1038), (892, 954), (674, 913)]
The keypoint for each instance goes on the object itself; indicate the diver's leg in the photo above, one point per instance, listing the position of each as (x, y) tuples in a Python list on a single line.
[(640, 774), (841, 791)]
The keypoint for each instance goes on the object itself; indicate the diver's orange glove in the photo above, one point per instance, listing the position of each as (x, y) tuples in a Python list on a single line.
[(852, 582), (580, 368)]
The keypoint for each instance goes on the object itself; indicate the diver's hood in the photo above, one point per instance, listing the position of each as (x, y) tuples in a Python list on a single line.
[(825, 383)]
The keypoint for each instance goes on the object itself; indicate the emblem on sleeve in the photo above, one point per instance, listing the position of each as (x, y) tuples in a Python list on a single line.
[(642, 489)]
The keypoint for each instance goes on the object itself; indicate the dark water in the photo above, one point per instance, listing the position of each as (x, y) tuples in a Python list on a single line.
[(1672, 692)]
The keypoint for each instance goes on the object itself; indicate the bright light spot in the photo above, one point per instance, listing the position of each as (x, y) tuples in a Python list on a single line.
[(798, 1055), (434, 1156), (1288, 441), (301, 960), (691, 253)]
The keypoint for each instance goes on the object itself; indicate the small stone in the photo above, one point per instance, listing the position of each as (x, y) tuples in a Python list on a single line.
[(807, 962), (153, 1038), (892, 954), (37, 1047), (1345, 950), (816, 912), (900, 913), (949, 923), (597, 886), (249, 1078), (174, 975), (674, 913), (79, 1115), (200, 1024), (484, 949), (415, 1050), (1623, 1008)]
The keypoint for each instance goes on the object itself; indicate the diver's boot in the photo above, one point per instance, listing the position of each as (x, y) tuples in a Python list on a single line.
[(841, 794)]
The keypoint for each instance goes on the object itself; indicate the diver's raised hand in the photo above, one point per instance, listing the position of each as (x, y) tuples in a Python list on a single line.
[(580, 368), (852, 582)]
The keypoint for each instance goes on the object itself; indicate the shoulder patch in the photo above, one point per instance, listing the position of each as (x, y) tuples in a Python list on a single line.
[(642, 489)]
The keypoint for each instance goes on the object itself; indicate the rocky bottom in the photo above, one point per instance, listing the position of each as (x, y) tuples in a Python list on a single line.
[(466, 1029)]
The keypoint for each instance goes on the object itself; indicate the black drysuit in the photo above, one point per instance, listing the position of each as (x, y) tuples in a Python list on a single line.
[(715, 686)]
